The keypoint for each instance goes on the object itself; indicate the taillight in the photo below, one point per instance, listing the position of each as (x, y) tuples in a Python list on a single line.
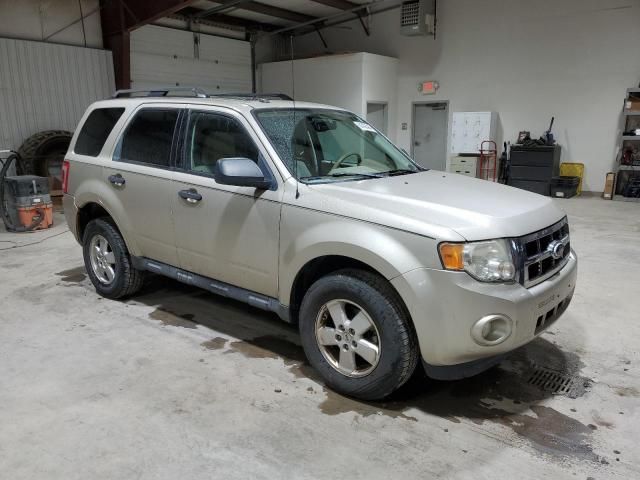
[(65, 176)]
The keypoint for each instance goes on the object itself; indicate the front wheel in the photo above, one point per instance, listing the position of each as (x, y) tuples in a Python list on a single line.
[(357, 334), (107, 260)]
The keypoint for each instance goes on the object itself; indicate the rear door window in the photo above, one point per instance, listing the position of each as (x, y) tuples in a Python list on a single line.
[(95, 131), (148, 138)]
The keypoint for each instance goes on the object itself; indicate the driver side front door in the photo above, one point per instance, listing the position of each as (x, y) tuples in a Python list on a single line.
[(225, 232)]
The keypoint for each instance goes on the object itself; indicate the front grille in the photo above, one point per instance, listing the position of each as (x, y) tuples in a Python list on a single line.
[(544, 253), (547, 319)]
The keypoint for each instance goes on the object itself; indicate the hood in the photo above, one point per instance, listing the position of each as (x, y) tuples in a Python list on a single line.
[(440, 205)]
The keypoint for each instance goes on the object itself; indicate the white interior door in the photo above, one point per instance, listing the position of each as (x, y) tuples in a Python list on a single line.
[(429, 143), (377, 116)]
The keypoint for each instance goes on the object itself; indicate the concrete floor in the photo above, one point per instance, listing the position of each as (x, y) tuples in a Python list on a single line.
[(178, 383)]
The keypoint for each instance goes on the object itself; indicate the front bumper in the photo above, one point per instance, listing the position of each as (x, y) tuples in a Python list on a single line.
[(445, 306)]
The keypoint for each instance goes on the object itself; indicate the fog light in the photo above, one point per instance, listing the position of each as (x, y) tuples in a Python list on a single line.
[(492, 329)]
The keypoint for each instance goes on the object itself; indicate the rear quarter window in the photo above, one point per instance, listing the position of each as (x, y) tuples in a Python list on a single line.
[(95, 131)]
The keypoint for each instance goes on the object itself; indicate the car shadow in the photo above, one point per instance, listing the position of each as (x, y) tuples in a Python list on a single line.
[(503, 390), (504, 395)]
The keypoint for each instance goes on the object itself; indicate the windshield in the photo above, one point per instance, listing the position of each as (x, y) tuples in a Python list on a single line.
[(319, 145)]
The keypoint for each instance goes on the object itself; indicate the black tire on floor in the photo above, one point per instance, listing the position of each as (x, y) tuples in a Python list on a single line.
[(399, 347), (127, 280), (39, 147)]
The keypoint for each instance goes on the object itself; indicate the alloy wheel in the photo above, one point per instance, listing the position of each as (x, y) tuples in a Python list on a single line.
[(348, 338)]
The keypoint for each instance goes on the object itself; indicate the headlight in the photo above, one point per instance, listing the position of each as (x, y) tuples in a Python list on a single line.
[(489, 261)]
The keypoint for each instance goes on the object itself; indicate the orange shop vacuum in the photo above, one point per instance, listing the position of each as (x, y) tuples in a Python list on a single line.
[(25, 203)]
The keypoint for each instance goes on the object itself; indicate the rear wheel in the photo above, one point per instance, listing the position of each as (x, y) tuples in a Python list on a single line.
[(107, 260), (357, 334)]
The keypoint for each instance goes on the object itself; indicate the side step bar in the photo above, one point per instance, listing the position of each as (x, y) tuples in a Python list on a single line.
[(224, 289)]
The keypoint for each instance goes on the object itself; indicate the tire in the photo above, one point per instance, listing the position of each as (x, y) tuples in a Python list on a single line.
[(43, 151), (352, 292), (124, 280)]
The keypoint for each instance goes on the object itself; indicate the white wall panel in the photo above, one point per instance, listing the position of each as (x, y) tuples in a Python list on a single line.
[(46, 86), (346, 80), (524, 60), (39, 20), (163, 57)]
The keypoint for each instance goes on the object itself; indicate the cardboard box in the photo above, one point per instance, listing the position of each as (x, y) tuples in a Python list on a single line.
[(609, 183), (632, 103)]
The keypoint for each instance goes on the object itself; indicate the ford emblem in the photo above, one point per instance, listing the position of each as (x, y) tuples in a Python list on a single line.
[(556, 248)]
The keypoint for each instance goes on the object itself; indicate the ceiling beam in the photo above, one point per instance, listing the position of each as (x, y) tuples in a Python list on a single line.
[(257, 7), (228, 5), (127, 15), (191, 13), (370, 12), (372, 8), (147, 12), (339, 4), (276, 12)]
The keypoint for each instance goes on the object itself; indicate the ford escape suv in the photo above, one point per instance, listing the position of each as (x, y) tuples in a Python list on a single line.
[(308, 211)]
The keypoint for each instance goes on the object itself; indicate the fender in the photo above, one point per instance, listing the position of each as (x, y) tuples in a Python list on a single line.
[(94, 190), (307, 235)]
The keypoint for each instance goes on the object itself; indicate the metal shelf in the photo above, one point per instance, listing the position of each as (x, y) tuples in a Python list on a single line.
[(629, 167), (633, 90), (631, 113), (631, 137)]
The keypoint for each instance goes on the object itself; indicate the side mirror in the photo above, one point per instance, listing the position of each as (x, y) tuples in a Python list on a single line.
[(240, 172)]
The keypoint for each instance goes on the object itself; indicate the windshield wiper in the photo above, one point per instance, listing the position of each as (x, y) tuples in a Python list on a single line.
[(367, 175), (338, 175), (398, 171)]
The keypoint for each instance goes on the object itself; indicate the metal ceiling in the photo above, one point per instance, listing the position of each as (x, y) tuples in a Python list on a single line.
[(119, 18), (280, 16)]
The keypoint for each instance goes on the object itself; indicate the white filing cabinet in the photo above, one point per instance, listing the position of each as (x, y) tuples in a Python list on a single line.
[(470, 129), (464, 166)]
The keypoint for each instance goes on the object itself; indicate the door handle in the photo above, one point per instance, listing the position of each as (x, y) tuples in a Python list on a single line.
[(191, 195), (117, 180)]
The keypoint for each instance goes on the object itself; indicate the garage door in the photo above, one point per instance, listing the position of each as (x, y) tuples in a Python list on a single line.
[(162, 57)]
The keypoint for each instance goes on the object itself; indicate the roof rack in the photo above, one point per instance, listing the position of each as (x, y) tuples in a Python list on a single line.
[(253, 96), (198, 92), (159, 92)]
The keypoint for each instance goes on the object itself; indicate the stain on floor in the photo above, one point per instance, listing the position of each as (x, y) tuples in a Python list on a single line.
[(216, 343), (479, 399), (628, 391), (335, 404), (12, 266), (271, 346), (73, 275), (167, 317), (500, 396)]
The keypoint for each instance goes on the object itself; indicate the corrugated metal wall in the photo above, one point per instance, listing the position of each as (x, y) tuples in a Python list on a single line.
[(163, 56), (46, 86)]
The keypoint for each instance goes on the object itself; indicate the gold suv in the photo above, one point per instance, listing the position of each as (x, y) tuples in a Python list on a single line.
[(308, 211)]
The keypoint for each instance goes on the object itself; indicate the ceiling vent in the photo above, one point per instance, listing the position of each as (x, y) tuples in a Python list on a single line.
[(418, 17)]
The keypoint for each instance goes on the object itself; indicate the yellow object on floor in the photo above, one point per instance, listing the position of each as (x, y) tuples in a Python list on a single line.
[(573, 170)]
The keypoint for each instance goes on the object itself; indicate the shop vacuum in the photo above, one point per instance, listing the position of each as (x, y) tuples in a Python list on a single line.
[(25, 203)]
